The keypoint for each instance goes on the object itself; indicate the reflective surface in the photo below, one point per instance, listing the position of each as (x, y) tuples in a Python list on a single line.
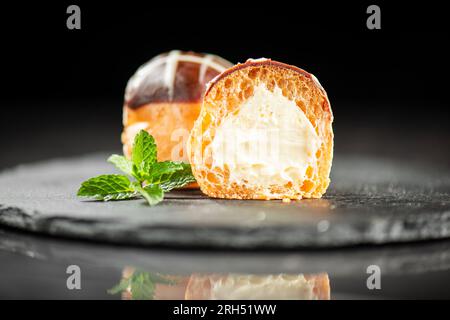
[(35, 267)]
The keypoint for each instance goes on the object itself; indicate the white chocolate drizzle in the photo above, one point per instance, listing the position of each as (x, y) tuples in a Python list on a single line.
[(171, 70), (203, 67)]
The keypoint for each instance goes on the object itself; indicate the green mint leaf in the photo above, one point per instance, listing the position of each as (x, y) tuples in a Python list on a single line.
[(178, 179), (158, 278), (107, 187), (122, 163), (141, 289), (170, 175), (152, 193), (144, 152), (162, 171), (122, 286), (141, 284)]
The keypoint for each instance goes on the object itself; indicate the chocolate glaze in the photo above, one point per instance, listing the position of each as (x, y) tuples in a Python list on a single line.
[(173, 77)]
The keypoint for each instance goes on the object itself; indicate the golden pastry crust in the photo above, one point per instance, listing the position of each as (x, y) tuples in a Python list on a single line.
[(168, 123), (224, 96)]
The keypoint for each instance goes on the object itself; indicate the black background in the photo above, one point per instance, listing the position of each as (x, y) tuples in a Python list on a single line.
[(63, 89)]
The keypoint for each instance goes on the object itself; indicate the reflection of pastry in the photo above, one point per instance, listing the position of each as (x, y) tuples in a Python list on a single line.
[(164, 96), (222, 286), (264, 132), (256, 287)]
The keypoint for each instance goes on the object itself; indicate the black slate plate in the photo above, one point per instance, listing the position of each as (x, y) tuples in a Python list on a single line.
[(370, 201)]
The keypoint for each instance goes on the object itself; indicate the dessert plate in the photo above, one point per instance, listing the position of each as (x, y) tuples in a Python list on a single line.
[(370, 201)]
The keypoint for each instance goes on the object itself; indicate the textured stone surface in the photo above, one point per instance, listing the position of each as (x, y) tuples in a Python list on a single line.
[(369, 201)]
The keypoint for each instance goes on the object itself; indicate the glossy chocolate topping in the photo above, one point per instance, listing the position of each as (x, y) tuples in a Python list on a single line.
[(175, 76)]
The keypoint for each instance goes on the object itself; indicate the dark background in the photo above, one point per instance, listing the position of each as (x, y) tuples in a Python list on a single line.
[(63, 89)]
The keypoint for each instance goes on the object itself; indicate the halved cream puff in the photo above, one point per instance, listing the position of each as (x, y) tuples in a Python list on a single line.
[(264, 132)]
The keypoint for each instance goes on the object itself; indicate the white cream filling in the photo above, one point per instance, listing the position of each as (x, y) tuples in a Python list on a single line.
[(253, 287), (269, 142)]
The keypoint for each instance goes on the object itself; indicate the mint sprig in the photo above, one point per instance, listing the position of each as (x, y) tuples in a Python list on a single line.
[(151, 179), (141, 285)]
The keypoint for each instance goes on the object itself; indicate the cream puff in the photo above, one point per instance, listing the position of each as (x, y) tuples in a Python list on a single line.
[(264, 132), (164, 96)]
